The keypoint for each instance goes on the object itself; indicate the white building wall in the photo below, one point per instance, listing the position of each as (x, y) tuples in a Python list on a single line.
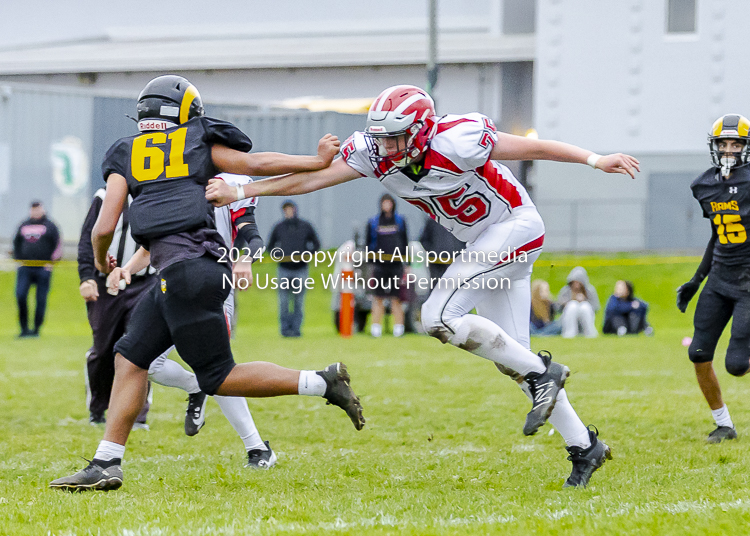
[(609, 78), (611, 65)]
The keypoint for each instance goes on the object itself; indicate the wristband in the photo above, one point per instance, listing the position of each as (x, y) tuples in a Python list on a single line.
[(593, 159), (240, 193)]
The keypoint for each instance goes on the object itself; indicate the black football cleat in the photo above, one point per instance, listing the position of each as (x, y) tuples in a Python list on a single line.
[(96, 419), (93, 477), (195, 416), (586, 461), (722, 433), (339, 392), (261, 459), (544, 388)]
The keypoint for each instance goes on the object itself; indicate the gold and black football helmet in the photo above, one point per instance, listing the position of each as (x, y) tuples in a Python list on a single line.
[(729, 127), (170, 100)]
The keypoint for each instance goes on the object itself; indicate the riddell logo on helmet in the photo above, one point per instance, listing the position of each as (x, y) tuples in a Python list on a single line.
[(150, 124), (376, 129)]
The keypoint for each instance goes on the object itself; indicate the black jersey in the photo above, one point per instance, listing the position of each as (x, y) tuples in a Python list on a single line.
[(727, 204), (167, 173)]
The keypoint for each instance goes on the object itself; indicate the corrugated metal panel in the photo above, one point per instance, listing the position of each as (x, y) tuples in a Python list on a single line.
[(337, 213), (32, 118)]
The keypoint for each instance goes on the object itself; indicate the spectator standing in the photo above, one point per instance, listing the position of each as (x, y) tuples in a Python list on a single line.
[(386, 232), (579, 302), (36, 244), (437, 239), (624, 312), (293, 236)]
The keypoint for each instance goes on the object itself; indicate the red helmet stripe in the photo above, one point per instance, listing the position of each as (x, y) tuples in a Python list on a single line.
[(401, 108), (377, 106)]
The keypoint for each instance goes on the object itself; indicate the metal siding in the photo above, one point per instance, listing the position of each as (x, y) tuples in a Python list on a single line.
[(34, 119), (672, 208), (109, 125), (336, 213), (31, 119)]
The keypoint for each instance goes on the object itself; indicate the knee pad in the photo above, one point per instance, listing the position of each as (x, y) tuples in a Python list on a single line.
[(696, 355), (737, 362)]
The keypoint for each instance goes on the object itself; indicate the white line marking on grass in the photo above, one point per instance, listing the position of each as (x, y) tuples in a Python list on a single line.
[(272, 525)]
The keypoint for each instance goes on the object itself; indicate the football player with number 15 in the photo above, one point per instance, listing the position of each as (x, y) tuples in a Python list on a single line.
[(722, 192)]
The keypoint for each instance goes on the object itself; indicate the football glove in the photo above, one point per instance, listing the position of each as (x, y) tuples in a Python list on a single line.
[(685, 293)]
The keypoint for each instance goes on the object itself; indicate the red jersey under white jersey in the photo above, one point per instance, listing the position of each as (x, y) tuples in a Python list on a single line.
[(463, 189)]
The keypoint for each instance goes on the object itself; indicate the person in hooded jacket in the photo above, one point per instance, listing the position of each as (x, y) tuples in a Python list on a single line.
[(579, 302)]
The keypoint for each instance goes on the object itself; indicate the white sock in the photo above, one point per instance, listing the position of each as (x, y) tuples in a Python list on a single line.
[(565, 420), (237, 413), (721, 416), (486, 339), (376, 330), (398, 330), (171, 374), (311, 383), (109, 451)]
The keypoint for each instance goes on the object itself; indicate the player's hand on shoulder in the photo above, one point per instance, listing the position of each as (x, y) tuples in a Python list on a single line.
[(328, 148), (619, 163), (243, 274), (89, 291), (685, 293), (219, 193)]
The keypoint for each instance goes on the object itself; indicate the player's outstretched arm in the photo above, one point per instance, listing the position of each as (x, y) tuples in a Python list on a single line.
[(510, 147), (267, 164), (220, 193), (104, 228)]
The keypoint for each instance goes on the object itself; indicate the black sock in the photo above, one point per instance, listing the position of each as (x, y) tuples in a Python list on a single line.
[(104, 464)]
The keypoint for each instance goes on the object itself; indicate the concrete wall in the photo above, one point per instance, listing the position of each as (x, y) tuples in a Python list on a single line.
[(608, 77), (587, 210)]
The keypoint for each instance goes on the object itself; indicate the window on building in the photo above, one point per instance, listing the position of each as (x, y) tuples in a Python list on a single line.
[(519, 16), (681, 15)]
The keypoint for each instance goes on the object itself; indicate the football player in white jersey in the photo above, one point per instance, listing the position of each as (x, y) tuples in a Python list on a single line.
[(446, 167), (236, 224)]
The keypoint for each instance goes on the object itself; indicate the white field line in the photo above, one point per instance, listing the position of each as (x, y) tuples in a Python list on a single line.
[(271, 525)]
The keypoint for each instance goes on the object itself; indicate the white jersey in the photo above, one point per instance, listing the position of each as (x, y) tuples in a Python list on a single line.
[(463, 189), (226, 215), (225, 218)]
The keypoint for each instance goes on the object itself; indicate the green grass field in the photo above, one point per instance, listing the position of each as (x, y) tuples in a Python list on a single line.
[(442, 452)]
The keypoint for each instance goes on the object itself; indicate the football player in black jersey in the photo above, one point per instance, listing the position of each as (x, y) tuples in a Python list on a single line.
[(724, 195), (165, 168)]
